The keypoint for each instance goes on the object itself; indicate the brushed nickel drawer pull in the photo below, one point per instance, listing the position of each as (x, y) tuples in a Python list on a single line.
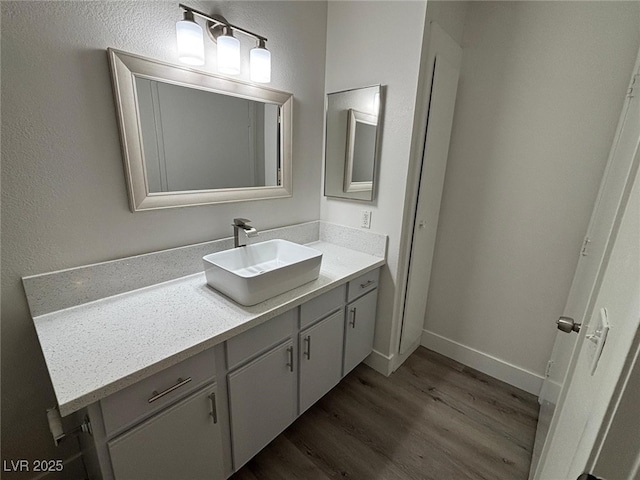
[(365, 285), (290, 363), (214, 409), (307, 352), (157, 395)]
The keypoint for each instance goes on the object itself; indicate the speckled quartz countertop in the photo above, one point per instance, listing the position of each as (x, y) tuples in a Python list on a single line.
[(98, 348)]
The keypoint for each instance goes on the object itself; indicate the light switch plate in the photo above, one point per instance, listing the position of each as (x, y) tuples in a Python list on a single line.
[(365, 221)]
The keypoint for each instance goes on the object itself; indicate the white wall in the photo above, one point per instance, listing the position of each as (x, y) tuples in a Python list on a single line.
[(540, 92), (384, 49), (64, 201)]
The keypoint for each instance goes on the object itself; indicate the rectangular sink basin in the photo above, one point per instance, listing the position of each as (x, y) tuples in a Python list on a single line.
[(255, 273)]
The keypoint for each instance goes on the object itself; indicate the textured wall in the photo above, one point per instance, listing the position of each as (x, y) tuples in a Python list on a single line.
[(540, 93), (64, 201)]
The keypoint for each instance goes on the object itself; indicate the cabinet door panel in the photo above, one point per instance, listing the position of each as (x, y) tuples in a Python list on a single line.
[(359, 330), (180, 442), (262, 401), (320, 359)]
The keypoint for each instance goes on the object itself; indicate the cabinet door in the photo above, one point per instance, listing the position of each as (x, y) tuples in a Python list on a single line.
[(182, 441), (261, 401), (320, 358), (359, 329)]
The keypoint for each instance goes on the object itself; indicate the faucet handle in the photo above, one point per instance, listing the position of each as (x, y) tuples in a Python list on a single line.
[(240, 222)]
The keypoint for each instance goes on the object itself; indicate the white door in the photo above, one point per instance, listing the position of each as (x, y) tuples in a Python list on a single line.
[(445, 56), (592, 388), (597, 249)]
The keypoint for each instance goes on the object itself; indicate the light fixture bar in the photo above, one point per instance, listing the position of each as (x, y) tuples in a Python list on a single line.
[(217, 21)]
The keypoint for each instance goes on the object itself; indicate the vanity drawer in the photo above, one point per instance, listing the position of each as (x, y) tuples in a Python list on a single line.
[(321, 306), (363, 284), (124, 408), (260, 338)]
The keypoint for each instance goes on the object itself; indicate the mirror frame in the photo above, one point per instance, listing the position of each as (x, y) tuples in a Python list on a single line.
[(125, 67), (337, 171), (356, 117)]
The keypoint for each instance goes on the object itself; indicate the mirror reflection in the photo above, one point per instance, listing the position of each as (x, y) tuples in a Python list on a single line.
[(199, 140), (352, 137)]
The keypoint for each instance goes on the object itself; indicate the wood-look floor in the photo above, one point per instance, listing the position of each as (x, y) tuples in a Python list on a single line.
[(432, 419)]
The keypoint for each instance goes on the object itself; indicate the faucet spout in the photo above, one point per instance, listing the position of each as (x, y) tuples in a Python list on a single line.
[(242, 224)]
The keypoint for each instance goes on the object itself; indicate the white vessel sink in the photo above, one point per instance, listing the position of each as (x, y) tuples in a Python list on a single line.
[(254, 273)]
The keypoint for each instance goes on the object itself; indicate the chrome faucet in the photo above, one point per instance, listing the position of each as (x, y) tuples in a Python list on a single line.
[(242, 223)]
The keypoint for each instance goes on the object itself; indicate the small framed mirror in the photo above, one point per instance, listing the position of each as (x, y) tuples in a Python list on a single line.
[(193, 138), (352, 139)]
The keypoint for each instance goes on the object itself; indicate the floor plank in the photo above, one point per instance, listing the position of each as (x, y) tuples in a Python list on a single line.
[(432, 419)]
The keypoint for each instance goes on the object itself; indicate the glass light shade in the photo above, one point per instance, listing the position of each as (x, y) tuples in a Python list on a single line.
[(190, 42), (228, 55), (260, 61)]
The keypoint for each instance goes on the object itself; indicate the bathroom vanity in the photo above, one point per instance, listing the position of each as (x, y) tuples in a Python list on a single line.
[(178, 381)]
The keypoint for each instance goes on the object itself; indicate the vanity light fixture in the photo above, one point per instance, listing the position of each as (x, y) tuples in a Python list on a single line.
[(191, 45)]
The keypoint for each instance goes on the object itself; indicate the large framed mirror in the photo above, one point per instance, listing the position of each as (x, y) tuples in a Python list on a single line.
[(352, 139), (193, 138)]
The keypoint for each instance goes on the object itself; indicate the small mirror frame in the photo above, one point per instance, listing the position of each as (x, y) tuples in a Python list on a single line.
[(124, 68), (337, 168)]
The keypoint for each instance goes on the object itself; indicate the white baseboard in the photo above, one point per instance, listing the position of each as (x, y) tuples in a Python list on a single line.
[(485, 363), (380, 362)]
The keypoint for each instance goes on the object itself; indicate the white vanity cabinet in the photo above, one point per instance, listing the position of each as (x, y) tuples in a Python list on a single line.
[(170, 425), (262, 384), (208, 415), (182, 441), (320, 358), (360, 319), (262, 401)]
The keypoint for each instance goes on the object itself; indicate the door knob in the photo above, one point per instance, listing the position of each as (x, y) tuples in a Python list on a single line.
[(568, 325)]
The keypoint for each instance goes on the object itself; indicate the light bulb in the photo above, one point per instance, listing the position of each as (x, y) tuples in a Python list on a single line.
[(228, 54), (189, 40), (260, 61)]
